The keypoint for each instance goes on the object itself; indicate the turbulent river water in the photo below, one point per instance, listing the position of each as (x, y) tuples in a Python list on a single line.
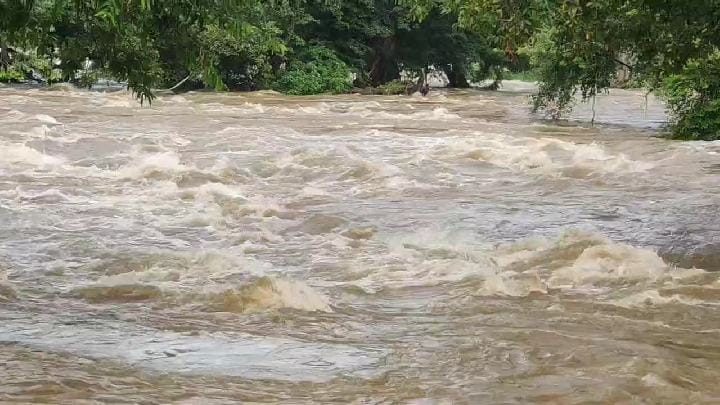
[(223, 248)]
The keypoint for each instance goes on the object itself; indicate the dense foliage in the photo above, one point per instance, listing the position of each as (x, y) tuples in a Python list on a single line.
[(693, 98), (669, 46), (312, 46), (317, 70), (296, 46)]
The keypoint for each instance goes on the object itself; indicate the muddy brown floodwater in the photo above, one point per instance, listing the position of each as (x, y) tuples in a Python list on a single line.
[(224, 248)]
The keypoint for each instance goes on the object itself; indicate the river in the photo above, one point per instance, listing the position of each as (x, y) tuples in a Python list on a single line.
[(223, 248)]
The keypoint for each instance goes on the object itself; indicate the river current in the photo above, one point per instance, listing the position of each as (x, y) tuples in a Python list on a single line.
[(224, 248)]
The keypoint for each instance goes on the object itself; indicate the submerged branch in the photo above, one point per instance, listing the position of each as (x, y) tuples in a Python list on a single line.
[(175, 88)]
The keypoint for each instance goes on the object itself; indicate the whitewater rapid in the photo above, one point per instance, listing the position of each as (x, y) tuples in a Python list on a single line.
[(213, 248)]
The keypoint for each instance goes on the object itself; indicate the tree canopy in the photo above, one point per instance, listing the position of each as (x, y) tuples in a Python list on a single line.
[(309, 46), (240, 44), (668, 46)]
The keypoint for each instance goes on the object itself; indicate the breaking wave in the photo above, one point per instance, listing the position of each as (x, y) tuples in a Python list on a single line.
[(210, 281), (23, 154), (361, 110), (269, 294), (575, 261), (155, 165), (545, 156)]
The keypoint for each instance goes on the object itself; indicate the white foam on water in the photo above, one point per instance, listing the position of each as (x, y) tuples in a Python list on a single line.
[(212, 189), (45, 119), (270, 294), (321, 108), (13, 115), (117, 100), (504, 284), (56, 133), (544, 156), (499, 150), (429, 257), (362, 105), (193, 272), (614, 261), (706, 147), (360, 109), (263, 294), (245, 108), (178, 99), (312, 191), (436, 114), (654, 298), (654, 380), (576, 260), (13, 154), (217, 281), (587, 262), (579, 258), (595, 158), (340, 166), (145, 165), (254, 108), (38, 132), (51, 195)]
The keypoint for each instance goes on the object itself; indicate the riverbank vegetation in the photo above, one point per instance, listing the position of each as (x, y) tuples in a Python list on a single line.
[(332, 46), (294, 46), (584, 47)]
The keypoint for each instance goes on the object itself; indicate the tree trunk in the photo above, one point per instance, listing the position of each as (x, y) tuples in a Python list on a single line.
[(384, 67), (5, 57), (456, 79)]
